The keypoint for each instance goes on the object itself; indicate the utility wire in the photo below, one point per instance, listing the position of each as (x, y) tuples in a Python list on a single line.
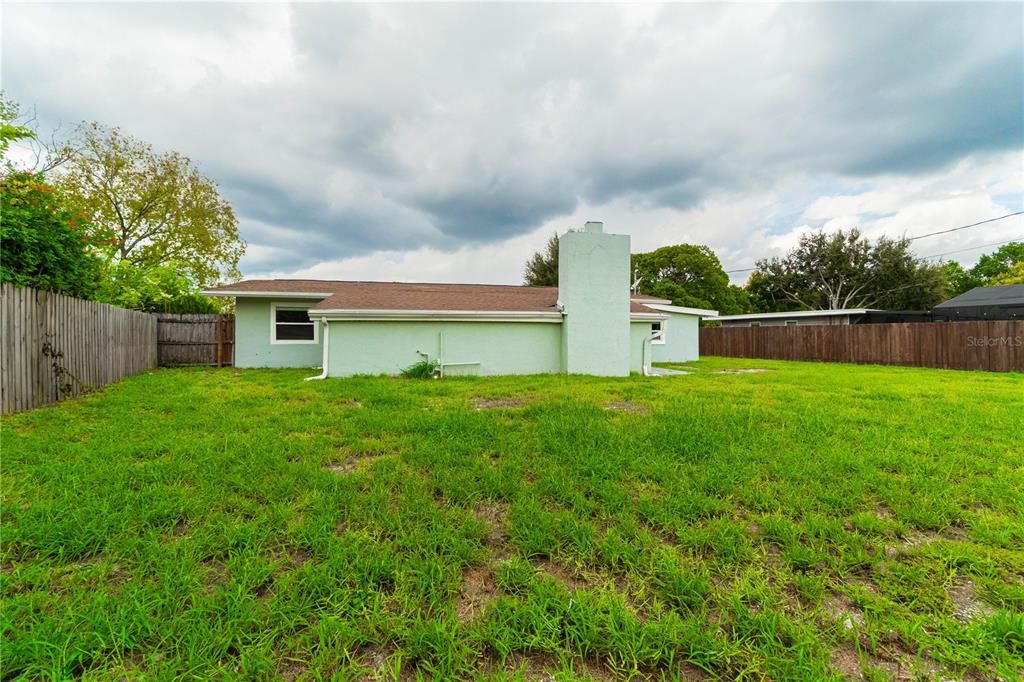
[(980, 246), (932, 234), (964, 227)]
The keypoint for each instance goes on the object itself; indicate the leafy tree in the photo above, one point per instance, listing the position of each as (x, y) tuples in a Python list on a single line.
[(10, 130), (43, 243), (542, 268), (999, 262), (688, 275), (159, 289), (1015, 275), (160, 208), (829, 271), (991, 269)]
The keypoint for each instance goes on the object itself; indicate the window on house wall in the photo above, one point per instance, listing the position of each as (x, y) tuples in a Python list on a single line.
[(755, 324), (657, 332), (291, 324), (791, 323)]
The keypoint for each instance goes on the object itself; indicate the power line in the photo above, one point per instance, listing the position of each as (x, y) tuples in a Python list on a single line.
[(981, 246), (932, 234), (964, 227)]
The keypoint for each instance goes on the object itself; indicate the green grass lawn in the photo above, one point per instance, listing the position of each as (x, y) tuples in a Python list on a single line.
[(813, 521)]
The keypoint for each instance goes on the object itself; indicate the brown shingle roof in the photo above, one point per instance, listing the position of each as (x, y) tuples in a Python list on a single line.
[(347, 295)]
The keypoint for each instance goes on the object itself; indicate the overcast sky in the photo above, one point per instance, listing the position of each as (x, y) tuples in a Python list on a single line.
[(446, 142)]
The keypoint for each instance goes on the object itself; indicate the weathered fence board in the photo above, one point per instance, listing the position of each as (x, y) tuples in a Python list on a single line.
[(993, 345), (57, 347), (195, 339)]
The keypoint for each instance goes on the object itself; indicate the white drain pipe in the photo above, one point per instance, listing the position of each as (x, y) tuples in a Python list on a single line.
[(323, 373)]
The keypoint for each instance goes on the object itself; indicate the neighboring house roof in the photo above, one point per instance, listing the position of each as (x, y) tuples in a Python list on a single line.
[(366, 298), (796, 313), (1007, 295)]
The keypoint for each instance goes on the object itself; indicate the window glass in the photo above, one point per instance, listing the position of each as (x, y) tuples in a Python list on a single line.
[(293, 324)]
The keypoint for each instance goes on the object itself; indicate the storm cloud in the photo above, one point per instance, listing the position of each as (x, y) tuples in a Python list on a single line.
[(339, 131)]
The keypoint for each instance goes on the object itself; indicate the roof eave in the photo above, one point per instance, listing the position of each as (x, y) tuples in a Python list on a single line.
[(266, 294), (682, 310), (356, 314)]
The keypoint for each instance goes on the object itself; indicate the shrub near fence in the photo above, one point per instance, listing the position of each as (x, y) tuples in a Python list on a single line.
[(55, 346), (993, 345)]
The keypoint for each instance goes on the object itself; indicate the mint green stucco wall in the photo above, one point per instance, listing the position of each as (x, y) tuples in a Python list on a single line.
[(593, 287), (638, 332), (499, 347), (681, 339), (252, 337)]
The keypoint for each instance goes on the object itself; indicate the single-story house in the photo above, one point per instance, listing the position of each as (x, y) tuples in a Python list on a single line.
[(798, 317), (983, 303), (590, 323)]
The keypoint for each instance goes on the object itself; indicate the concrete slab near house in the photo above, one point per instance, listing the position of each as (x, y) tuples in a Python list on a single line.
[(589, 324)]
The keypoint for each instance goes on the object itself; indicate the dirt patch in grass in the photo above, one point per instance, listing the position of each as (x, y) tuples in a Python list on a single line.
[(750, 370), (845, 611), (352, 464), (542, 668), (966, 604), (920, 538), (562, 574), (480, 403), (479, 588), (217, 576), (846, 661), (627, 406), (493, 514), (347, 403), (290, 670)]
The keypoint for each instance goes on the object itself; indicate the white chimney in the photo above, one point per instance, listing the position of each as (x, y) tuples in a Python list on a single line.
[(593, 286)]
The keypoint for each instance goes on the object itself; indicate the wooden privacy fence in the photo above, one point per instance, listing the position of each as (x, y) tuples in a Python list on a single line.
[(57, 347), (195, 339), (996, 346)]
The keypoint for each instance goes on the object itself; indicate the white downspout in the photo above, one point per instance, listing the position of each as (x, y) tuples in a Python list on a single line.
[(645, 368), (327, 338)]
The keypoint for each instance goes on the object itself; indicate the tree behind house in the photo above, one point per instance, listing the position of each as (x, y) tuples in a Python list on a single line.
[(831, 271), (158, 206)]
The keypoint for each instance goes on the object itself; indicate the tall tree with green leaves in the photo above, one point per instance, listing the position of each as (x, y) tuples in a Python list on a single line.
[(159, 207), (991, 269), (45, 244), (830, 271), (688, 275), (542, 268), (10, 129)]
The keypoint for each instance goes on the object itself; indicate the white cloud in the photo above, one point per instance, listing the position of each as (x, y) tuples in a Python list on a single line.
[(447, 142)]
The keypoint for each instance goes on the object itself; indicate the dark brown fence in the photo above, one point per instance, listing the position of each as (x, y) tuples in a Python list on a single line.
[(996, 346), (56, 347), (195, 339)]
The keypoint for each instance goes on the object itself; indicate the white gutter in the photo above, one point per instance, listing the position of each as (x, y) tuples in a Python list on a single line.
[(356, 314), (796, 313), (699, 312), (323, 372)]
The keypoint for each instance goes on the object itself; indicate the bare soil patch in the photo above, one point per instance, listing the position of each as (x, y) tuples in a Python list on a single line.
[(966, 604), (493, 514), (627, 406), (479, 587), (480, 403), (351, 465), (845, 611)]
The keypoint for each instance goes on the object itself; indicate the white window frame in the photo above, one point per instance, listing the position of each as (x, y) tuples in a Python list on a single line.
[(274, 307), (754, 323), (792, 323), (658, 337)]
